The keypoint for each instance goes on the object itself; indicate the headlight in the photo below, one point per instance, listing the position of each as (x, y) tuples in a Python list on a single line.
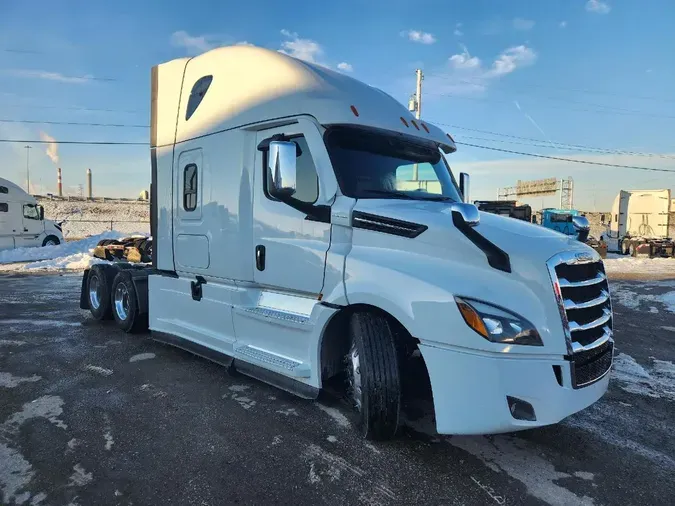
[(496, 324)]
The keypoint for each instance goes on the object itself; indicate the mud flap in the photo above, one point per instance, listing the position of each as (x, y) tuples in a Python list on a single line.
[(140, 280), (84, 299)]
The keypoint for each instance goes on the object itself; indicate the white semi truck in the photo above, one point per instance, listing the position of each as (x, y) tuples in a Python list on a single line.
[(289, 245), (639, 223), (22, 220)]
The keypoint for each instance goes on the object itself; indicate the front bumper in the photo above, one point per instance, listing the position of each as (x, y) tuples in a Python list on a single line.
[(470, 390)]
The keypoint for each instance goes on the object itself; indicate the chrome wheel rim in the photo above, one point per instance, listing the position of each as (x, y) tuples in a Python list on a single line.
[(122, 301), (354, 385), (94, 295)]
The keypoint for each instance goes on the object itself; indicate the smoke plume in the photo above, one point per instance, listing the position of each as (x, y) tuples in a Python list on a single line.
[(52, 147)]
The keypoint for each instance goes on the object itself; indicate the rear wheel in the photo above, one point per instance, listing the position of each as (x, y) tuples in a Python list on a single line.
[(98, 292), (631, 249), (624, 248), (373, 380), (125, 304)]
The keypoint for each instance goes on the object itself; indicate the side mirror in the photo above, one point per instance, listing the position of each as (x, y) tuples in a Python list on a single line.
[(42, 213), (281, 163), (464, 186), (467, 213), (582, 227)]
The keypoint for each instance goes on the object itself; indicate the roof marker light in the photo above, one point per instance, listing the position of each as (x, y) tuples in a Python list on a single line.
[(414, 124), (425, 128), (404, 121), (356, 113)]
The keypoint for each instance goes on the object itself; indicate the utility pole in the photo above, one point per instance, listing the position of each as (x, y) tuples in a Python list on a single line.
[(417, 102), (28, 148)]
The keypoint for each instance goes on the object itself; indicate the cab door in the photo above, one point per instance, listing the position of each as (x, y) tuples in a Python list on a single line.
[(290, 249), (32, 227)]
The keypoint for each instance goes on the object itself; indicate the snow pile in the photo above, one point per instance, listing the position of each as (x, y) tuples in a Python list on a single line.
[(76, 255), (84, 218), (618, 264), (658, 382)]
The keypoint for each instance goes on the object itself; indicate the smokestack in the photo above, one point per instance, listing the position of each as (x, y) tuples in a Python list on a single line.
[(89, 192), (59, 182)]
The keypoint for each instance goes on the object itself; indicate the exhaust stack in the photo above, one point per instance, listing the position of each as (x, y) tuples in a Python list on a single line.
[(89, 190), (59, 183)]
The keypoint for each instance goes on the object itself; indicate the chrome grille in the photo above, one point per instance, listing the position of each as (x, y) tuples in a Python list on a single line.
[(582, 293)]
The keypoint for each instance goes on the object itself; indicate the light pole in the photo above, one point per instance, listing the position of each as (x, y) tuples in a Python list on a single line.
[(28, 148)]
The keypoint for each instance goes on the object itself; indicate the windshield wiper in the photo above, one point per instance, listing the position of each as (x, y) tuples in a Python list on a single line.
[(402, 195)]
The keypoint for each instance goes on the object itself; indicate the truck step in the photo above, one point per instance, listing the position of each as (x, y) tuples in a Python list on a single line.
[(278, 315), (272, 360)]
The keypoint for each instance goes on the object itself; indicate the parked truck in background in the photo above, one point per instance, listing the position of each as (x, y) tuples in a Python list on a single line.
[(510, 208), (289, 245), (22, 220), (640, 221)]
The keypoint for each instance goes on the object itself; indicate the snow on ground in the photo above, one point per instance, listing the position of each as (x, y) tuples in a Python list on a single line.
[(625, 295), (655, 381), (75, 255), (619, 264)]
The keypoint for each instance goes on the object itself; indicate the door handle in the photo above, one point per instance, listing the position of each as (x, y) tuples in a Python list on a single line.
[(260, 257), (25, 229)]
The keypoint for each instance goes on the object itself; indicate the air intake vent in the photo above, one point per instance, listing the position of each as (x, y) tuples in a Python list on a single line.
[(386, 225)]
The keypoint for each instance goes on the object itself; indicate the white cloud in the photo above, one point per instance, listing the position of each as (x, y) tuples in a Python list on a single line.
[(464, 60), (469, 75), (419, 36), (50, 76), (345, 67), (458, 30), (244, 43), (511, 59), (562, 24), (598, 7), (194, 44), (303, 49), (52, 149), (523, 24)]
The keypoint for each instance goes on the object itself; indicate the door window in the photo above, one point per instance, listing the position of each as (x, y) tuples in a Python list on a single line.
[(31, 212), (4, 208), (306, 180), (190, 181)]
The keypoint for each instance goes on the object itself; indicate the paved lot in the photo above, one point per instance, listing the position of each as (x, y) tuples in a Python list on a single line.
[(89, 415)]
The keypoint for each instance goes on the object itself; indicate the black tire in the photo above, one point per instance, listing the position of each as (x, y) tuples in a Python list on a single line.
[(51, 238), (99, 281), (125, 304), (380, 397)]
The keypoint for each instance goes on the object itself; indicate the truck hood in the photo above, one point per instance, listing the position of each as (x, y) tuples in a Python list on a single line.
[(519, 239)]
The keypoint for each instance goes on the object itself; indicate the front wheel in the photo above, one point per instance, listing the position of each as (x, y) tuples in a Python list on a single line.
[(373, 379), (51, 240), (125, 304)]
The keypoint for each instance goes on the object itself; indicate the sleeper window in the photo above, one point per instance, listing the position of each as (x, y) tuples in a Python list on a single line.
[(306, 179), (4, 208), (197, 95), (190, 187), (4, 189), (31, 212)]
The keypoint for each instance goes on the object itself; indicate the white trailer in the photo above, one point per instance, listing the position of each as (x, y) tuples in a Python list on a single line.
[(639, 223), (289, 246), (22, 220)]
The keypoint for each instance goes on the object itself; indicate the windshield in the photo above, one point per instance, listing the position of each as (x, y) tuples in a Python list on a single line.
[(371, 164)]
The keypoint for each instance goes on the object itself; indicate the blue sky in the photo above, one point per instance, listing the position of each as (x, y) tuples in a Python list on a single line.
[(578, 72)]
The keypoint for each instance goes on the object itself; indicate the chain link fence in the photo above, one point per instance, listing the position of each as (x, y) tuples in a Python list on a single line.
[(78, 229)]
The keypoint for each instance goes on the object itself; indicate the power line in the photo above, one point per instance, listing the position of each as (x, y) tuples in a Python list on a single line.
[(574, 90), (635, 167), (557, 144), (72, 123), (89, 143), (69, 108), (606, 110)]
